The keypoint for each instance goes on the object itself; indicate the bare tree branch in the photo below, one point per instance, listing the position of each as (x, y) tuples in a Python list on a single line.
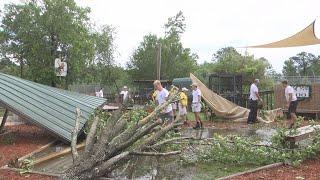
[(167, 141), (91, 135), (74, 136), (155, 153)]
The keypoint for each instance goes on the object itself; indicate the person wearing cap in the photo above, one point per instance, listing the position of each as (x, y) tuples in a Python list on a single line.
[(124, 94), (253, 102), (183, 103), (162, 96), (196, 105), (292, 102)]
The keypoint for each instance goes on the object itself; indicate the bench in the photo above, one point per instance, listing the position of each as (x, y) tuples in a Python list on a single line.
[(306, 111), (301, 133)]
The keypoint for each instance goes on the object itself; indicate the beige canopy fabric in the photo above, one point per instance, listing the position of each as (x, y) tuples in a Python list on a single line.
[(303, 38), (227, 109)]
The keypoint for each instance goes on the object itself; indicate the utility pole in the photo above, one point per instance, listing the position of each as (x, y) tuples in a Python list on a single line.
[(158, 67)]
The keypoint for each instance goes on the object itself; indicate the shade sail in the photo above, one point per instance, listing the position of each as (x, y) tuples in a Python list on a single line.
[(303, 38)]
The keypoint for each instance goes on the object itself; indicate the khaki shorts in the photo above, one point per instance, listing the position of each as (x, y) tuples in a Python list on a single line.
[(182, 110), (196, 107)]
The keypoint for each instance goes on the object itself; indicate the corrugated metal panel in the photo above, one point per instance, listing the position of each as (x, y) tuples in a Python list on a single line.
[(51, 108)]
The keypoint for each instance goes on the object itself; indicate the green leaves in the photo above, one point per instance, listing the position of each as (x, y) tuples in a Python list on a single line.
[(176, 61)]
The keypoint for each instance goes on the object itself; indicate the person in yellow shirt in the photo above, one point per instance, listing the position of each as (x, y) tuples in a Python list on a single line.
[(183, 103), (154, 95)]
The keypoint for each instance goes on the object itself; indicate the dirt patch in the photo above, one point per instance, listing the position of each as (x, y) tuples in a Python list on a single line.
[(307, 170), (22, 140)]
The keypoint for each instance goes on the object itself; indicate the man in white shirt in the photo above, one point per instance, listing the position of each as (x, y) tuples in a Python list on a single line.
[(292, 102), (162, 97), (196, 105), (100, 93), (124, 94), (253, 102)]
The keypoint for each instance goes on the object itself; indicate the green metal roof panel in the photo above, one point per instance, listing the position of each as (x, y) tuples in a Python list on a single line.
[(51, 108)]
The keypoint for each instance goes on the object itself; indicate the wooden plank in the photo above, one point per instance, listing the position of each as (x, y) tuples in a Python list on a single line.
[(252, 171), (301, 133), (57, 154), (37, 151)]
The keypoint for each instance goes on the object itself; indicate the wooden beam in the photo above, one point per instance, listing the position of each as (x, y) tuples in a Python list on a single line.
[(57, 154), (301, 133), (4, 119)]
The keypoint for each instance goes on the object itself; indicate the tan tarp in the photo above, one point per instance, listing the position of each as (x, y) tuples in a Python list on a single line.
[(227, 109), (303, 38)]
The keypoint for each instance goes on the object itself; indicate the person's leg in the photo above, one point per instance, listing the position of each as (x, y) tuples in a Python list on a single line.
[(255, 111), (250, 118), (293, 109)]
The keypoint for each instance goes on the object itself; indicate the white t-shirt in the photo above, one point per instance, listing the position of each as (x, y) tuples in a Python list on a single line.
[(195, 96), (290, 90), (125, 94), (99, 94), (162, 97), (253, 91)]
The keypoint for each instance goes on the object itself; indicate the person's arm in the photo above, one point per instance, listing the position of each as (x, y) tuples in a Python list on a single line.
[(258, 96)]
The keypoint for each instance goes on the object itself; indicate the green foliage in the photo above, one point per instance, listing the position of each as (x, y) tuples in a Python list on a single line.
[(228, 60), (136, 115), (104, 117), (176, 61), (35, 33), (302, 64), (26, 166), (246, 151)]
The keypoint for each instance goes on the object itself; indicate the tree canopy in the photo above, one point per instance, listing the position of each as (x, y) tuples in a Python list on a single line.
[(302, 64), (176, 61)]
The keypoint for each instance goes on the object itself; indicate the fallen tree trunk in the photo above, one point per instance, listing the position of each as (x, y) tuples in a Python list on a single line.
[(118, 142)]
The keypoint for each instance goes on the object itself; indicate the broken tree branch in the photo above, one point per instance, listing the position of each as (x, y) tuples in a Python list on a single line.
[(4, 119), (167, 141), (154, 153), (91, 135), (74, 136)]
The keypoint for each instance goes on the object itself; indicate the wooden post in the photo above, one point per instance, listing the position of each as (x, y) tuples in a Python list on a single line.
[(4, 119), (158, 62)]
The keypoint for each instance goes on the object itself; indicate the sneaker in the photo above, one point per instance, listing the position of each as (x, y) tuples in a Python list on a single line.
[(197, 126)]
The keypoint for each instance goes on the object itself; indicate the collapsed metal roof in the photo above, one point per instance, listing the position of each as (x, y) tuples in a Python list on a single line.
[(48, 107)]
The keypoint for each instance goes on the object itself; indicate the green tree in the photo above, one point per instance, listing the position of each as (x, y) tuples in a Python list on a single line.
[(38, 32), (176, 61), (303, 64), (289, 68), (229, 61)]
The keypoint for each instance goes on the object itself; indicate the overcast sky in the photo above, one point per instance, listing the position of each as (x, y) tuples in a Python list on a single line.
[(211, 24)]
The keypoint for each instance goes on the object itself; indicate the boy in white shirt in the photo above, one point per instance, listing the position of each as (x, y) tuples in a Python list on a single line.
[(292, 102), (196, 105), (162, 96)]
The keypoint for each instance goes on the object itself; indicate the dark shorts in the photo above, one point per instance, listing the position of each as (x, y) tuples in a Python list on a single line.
[(292, 108)]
